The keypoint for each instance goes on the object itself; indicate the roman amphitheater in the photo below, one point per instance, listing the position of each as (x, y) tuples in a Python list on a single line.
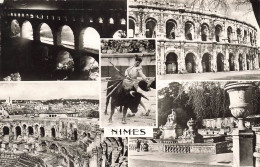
[(54, 141), (192, 40)]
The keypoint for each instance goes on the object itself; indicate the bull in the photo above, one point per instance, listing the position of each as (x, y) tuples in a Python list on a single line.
[(123, 94)]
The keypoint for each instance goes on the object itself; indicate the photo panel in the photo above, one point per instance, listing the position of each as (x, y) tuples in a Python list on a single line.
[(128, 71), (55, 124), (57, 40)]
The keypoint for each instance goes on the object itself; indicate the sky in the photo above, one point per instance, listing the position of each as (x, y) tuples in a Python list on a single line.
[(49, 90)]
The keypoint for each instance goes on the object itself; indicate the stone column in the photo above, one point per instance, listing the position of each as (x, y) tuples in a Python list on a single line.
[(240, 97)]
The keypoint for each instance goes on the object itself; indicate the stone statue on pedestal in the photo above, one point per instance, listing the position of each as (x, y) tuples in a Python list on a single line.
[(171, 130), (191, 134)]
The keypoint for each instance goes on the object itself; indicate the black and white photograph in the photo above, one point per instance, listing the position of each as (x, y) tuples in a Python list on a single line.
[(43, 40), (55, 125), (200, 40), (128, 95), (202, 124)]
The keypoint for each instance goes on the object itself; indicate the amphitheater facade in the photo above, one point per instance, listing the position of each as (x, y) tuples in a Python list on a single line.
[(191, 40)]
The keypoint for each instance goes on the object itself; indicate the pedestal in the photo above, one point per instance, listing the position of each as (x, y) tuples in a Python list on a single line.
[(243, 148)]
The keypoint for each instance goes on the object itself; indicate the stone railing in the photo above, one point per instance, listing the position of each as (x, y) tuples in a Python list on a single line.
[(177, 148)]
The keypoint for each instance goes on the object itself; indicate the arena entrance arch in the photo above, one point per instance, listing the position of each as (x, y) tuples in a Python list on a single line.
[(18, 131), (42, 131), (6, 130), (190, 63), (204, 32), (231, 62), (151, 28), (189, 30), (218, 32), (206, 62), (30, 130), (220, 62), (170, 29), (53, 132), (131, 28), (171, 63)]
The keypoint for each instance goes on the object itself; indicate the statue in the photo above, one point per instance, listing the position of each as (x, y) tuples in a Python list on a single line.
[(191, 134), (171, 130)]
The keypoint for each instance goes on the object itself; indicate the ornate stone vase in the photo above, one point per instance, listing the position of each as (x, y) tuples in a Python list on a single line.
[(240, 95)]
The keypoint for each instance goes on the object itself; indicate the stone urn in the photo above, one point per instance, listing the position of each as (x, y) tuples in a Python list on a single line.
[(240, 95)]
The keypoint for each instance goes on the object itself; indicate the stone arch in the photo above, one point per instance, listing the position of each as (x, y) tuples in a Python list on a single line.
[(150, 28), (171, 27), (231, 61), (218, 32), (240, 62), (122, 21), (89, 38), (18, 131), (42, 132), (131, 30), (53, 132), (206, 62), (44, 146), (239, 36), (220, 62), (229, 34), (30, 130), (45, 33), (190, 63), (189, 30), (171, 63), (15, 29), (27, 30), (54, 148), (66, 35), (248, 62), (251, 38), (6, 130), (204, 32)]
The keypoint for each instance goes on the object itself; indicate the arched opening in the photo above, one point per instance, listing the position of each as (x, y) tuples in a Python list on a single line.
[(240, 61), (6, 130), (204, 32), (46, 35), (64, 65), (231, 62), (171, 26), (15, 29), (131, 31), (229, 34), (44, 146), (89, 68), (91, 38), (30, 130), (190, 63), (27, 30), (53, 132), (42, 132), (67, 37), (24, 126), (245, 37), (218, 32), (119, 34), (220, 62), (18, 131), (239, 35), (75, 134), (150, 28), (171, 63), (251, 39), (189, 31), (206, 62)]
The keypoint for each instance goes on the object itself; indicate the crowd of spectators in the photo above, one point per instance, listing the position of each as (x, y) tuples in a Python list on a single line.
[(127, 46)]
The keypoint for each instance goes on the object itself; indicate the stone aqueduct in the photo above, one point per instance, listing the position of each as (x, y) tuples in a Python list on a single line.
[(106, 18), (86, 145), (194, 41)]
